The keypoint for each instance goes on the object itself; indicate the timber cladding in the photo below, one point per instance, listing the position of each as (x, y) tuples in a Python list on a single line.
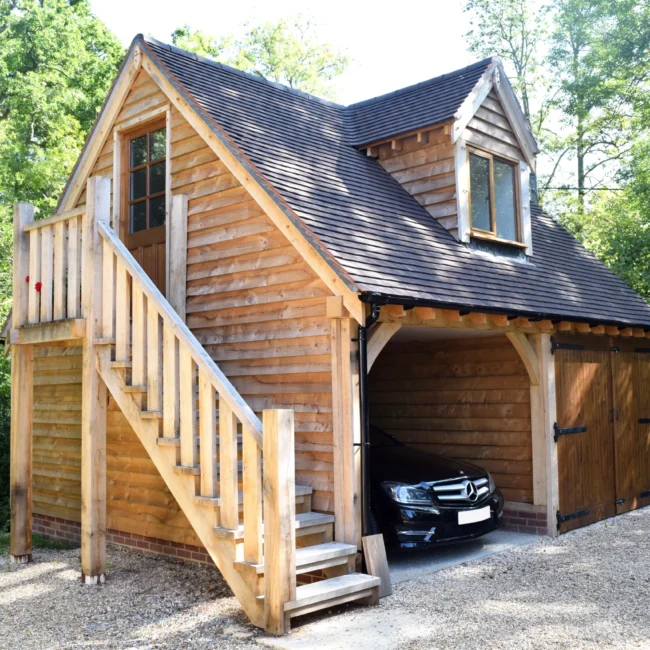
[(464, 398), (256, 306)]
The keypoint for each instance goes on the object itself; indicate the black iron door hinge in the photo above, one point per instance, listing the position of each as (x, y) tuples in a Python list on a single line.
[(645, 494), (619, 502), (573, 515), (565, 432), (644, 420), (564, 346)]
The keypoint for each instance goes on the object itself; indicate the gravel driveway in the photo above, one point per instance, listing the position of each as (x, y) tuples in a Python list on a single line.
[(588, 589)]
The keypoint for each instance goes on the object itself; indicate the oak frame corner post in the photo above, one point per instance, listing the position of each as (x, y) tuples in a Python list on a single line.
[(347, 431), (547, 415), (279, 484), (22, 389), (94, 394)]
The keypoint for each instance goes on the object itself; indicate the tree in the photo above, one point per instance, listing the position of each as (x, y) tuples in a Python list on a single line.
[(57, 61), (514, 30), (289, 52), (599, 56)]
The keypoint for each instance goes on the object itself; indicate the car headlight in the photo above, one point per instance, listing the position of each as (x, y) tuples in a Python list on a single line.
[(408, 495), (492, 485)]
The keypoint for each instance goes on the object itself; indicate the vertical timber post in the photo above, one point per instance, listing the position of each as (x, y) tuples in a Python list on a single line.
[(22, 390), (93, 395), (346, 423), (547, 382), (279, 517)]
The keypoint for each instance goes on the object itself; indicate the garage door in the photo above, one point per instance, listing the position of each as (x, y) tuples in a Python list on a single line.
[(603, 427)]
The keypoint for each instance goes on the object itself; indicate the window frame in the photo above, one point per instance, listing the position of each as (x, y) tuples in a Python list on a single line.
[(491, 235), (126, 137)]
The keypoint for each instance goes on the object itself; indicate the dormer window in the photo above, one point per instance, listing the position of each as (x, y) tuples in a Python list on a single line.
[(494, 197)]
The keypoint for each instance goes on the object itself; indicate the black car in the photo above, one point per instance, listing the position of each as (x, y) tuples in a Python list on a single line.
[(421, 499)]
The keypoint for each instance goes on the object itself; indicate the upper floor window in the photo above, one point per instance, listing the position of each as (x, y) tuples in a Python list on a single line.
[(146, 184), (494, 197)]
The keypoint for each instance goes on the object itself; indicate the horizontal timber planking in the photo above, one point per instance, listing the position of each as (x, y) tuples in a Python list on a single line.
[(465, 398), (425, 168)]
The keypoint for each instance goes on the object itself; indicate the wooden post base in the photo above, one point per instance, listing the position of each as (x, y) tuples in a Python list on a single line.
[(21, 559), (93, 580)]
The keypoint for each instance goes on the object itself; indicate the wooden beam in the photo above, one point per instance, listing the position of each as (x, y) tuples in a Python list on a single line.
[(336, 308), (22, 389), (374, 553), (178, 255), (477, 318), (611, 330), (426, 313), (55, 218), (396, 145), (94, 396), (23, 216), (279, 518), (309, 247), (599, 330), (22, 383), (346, 430), (523, 323), (527, 354), (627, 331), (564, 326), (378, 338), (547, 378), (395, 311), (451, 315), (63, 330), (545, 326), (583, 328), (423, 137), (500, 320), (638, 332)]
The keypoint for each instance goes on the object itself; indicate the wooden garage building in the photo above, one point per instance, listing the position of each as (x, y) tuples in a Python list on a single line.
[(234, 266)]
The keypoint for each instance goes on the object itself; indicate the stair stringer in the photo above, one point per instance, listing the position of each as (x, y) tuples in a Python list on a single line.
[(182, 487)]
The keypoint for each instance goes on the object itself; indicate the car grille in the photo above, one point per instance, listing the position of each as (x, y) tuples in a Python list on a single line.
[(460, 491)]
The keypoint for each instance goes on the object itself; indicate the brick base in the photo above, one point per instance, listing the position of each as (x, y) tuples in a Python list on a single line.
[(62, 530), (528, 520)]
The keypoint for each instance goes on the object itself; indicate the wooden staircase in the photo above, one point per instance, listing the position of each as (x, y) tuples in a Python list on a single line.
[(232, 475)]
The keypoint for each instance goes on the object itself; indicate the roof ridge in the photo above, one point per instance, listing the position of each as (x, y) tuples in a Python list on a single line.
[(241, 73), (422, 84)]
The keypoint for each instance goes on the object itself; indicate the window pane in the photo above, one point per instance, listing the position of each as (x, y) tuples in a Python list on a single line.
[(157, 178), (138, 184), (157, 145), (139, 216), (157, 212), (139, 151), (479, 188), (505, 200)]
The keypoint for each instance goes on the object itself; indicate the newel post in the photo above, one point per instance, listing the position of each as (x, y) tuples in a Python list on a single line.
[(93, 395), (279, 517), (22, 389)]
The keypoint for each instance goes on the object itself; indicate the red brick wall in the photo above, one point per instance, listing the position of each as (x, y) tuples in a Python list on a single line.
[(524, 521), (62, 530)]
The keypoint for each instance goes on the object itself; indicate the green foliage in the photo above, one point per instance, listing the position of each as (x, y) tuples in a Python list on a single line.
[(57, 62), (288, 51)]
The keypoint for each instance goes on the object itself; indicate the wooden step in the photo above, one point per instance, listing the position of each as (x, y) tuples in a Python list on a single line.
[(121, 364), (151, 415), (106, 340), (335, 591), (215, 502), (315, 558), (304, 521), (135, 389)]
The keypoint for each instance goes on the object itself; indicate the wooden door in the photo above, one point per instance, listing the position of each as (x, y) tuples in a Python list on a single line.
[(631, 414), (143, 199), (585, 432)]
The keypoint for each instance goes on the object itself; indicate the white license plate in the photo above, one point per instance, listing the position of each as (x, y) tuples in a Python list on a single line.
[(472, 516)]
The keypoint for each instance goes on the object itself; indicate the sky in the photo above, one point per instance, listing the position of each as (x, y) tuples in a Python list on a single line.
[(389, 47)]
